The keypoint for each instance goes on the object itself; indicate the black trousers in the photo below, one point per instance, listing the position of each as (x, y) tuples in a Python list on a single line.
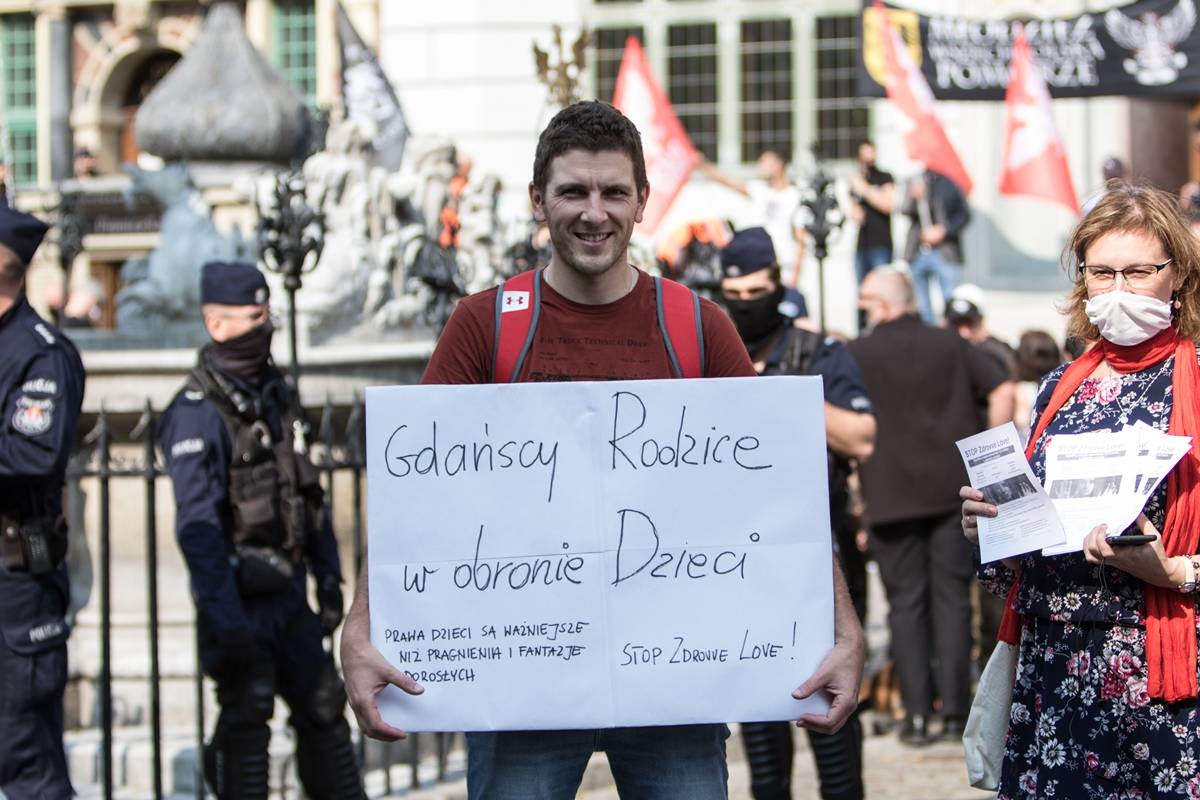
[(927, 568)]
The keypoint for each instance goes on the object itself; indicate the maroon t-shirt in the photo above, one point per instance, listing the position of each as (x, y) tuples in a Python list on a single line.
[(577, 342)]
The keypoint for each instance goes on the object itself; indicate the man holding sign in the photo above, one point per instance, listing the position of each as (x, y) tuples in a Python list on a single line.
[(597, 318)]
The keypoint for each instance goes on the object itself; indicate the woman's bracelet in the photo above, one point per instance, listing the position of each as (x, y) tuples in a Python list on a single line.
[(1191, 571)]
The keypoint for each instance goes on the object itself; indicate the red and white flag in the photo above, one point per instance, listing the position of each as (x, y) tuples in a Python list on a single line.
[(670, 156), (1035, 162), (924, 138)]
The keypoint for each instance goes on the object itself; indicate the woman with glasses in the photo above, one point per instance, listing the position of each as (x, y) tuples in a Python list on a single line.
[(1104, 702)]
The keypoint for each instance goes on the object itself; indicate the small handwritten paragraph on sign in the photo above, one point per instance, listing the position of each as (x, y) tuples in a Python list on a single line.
[(578, 555)]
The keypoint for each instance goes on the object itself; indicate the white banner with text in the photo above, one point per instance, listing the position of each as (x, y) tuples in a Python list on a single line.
[(579, 555)]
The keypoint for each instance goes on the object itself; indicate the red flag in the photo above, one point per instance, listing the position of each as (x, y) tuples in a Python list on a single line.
[(924, 138), (1035, 162), (670, 156)]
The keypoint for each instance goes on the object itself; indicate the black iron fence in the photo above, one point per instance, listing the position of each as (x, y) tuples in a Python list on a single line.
[(107, 457)]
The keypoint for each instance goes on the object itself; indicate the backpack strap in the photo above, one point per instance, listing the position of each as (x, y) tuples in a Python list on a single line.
[(518, 306), (682, 331)]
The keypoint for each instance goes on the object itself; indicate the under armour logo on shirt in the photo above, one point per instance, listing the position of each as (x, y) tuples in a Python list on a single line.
[(514, 301)]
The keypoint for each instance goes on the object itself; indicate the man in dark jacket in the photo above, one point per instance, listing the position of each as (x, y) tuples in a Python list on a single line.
[(925, 384), (938, 212), (250, 520)]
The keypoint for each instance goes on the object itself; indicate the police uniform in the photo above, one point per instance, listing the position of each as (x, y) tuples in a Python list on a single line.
[(795, 351), (41, 387), (250, 521)]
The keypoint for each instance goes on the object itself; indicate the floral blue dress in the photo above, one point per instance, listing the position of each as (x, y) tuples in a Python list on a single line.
[(1082, 725)]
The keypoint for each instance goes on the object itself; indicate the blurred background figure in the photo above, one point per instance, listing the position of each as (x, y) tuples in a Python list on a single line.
[(775, 200), (872, 196), (84, 305), (1037, 355), (965, 313), (938, 213), (926, 385), (85, 163)]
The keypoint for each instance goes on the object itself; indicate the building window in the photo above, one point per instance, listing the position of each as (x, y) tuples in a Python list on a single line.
[(843, 119), (610, 49), (18, 73), (296, 45), (692, 82), (766, 88)]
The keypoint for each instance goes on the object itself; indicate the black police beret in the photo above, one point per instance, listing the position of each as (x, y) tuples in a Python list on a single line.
[(748, 251), (233, 283), (21, 233)]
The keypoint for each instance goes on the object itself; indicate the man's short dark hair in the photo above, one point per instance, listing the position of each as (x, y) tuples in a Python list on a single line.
[(590, 125)]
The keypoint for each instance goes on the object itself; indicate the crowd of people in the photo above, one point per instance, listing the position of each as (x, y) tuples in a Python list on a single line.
[(1104, 694)]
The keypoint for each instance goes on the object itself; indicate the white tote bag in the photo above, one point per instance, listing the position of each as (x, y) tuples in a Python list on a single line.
[(987, 724)]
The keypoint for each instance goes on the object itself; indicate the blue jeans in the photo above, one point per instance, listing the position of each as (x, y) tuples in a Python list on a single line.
[(658, 763), (869, 258), (927, 266)]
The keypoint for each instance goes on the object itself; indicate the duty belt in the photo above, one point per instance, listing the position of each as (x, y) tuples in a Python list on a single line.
[(29, 547)]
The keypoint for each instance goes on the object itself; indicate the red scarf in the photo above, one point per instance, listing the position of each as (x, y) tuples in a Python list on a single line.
[(1170, 615)]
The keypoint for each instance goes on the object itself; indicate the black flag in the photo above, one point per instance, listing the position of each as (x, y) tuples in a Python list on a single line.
[(369, 97)]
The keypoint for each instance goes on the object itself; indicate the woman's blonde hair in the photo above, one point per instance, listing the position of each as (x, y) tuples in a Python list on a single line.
[(1136, 208)]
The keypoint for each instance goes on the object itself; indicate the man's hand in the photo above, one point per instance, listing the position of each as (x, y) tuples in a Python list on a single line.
[(933, 235), (366, 672), (840, 676)]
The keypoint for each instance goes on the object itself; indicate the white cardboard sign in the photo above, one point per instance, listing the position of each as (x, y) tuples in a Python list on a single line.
[(578, 555)]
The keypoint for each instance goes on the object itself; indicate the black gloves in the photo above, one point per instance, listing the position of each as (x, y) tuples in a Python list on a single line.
[(329, 603)]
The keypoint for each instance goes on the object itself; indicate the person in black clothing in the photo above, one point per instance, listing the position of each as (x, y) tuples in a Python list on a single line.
[(872, 198), (926, 384), (41, 388), (251, 520), (754, 296)]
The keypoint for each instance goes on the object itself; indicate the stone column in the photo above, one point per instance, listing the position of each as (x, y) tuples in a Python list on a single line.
[(61, 145)]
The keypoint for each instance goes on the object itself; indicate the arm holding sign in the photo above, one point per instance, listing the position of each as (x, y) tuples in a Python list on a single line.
[(840, 674), (366, 671)]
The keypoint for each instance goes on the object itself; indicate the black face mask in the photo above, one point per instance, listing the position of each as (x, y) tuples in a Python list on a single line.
[(245, 356), (756, 319)]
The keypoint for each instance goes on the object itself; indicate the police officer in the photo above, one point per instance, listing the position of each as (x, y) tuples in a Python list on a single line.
[(757, 302), (250, 518), (41, 386)]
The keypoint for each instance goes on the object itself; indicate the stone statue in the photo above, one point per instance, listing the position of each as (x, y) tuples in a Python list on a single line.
[(162, 289), (383, 267)]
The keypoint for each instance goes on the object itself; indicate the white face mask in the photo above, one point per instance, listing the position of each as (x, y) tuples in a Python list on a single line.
[(1125, 318)]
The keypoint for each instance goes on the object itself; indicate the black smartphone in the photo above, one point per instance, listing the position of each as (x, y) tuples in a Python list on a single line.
[(1132, 538)]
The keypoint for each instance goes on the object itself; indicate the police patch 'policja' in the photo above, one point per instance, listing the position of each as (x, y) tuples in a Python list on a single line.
[(40, 386), (33, 416), (187, 447)]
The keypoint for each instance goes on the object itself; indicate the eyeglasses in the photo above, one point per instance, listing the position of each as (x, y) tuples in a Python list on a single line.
[(1138, 275)]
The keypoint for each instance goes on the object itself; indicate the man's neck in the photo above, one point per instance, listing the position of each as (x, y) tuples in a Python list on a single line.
[(779, 182), (592, 290)]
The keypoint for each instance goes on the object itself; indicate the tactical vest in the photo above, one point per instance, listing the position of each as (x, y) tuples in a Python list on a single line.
[(275, 494), (799, 351)]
